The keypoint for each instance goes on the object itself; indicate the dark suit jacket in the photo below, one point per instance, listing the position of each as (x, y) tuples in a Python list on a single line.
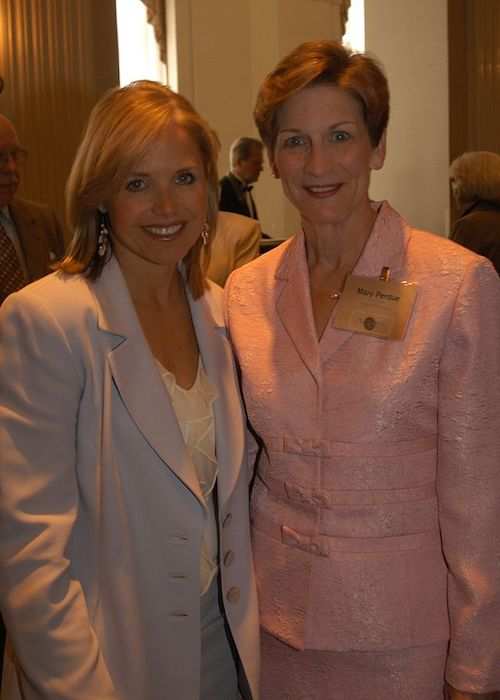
[(232, 197), (40, 236), (479, 230)]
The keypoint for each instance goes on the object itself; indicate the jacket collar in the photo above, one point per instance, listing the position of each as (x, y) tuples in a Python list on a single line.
[(385, 246), (141, 388), (219, 365)]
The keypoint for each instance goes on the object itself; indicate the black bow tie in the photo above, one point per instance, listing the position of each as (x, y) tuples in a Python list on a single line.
[(247, 188)]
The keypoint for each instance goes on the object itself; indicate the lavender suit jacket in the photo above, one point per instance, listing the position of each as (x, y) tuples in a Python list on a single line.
[(101, 512), (376, 506)]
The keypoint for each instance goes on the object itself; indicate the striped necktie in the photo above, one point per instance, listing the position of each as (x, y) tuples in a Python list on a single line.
[(11, 275)]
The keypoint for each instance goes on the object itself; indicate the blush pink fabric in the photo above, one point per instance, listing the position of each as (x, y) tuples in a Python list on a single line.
[(403, 674), (376, 506)]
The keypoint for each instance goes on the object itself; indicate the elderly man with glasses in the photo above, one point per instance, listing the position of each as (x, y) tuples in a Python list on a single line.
[(30, 235)]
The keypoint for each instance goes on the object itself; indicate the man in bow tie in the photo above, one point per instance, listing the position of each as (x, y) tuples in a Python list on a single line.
[(246, 158), (31, 238)]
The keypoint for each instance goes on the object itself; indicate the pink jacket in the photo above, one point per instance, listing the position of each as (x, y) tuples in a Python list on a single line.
[(376, 507)]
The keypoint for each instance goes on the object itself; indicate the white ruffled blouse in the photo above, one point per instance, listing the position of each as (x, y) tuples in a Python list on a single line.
[(193, 408)]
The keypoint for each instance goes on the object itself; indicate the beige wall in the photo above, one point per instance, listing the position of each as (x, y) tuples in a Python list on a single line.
[(227, 48), (57, 58), (410, 39)]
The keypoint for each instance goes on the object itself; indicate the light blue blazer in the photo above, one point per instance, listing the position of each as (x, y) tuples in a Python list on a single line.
[(101, 513)]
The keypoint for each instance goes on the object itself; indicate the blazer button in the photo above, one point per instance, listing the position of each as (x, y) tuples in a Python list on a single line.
[(227, 520), (228, 557), (233, 594)]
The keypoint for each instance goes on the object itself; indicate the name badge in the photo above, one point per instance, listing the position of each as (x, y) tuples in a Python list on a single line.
[(376, 307)]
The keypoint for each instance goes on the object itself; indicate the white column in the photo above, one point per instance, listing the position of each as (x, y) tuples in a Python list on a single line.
[(410, 39), (222, 52)]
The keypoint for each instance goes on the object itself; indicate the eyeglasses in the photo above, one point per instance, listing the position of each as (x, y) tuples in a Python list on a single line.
[(18, 155)]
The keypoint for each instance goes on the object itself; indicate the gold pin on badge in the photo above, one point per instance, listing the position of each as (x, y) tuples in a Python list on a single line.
[(385, 274)]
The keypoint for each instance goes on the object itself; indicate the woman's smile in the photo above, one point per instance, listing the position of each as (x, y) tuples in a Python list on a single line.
[(322, 191), (164, 233)]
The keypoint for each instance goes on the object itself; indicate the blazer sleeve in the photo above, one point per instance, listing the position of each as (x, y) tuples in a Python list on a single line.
[(48, 624), (468, 480)]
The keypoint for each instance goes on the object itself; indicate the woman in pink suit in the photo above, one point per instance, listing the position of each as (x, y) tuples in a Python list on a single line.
[(125, 563), (370, 364)]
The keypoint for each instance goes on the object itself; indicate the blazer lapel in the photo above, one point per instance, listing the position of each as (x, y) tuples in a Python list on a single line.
[(33, 242), (137, 378), (219, 366), (385, 247), (294, 307)]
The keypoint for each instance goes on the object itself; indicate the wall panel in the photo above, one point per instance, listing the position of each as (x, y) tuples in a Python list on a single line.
[(223, 52), (474, 77), (57, 57)]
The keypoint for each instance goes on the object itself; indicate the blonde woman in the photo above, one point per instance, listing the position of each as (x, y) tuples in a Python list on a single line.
[(125, 562)]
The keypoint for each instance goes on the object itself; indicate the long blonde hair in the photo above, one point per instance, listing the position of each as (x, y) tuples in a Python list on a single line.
[(121, 128)]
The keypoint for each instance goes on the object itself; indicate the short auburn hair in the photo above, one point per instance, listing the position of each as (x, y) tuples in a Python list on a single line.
[(123, 125), (324, 63)]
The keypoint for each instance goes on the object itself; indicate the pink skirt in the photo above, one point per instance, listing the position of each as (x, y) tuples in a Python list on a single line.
[(408, 674)]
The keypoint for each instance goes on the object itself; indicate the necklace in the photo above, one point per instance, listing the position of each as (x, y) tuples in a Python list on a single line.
[(334, 295)]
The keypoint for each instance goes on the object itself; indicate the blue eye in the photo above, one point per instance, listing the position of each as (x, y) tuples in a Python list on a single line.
[(338, 136), (186, 178), (294, 141), (137, 184)]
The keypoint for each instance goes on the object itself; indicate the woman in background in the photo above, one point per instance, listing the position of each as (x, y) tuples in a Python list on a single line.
[(370, 365), (475, 183), (125, 561)]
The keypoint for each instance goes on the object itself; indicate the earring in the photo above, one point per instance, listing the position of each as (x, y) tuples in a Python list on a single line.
[(103, 237), (204, 233)]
